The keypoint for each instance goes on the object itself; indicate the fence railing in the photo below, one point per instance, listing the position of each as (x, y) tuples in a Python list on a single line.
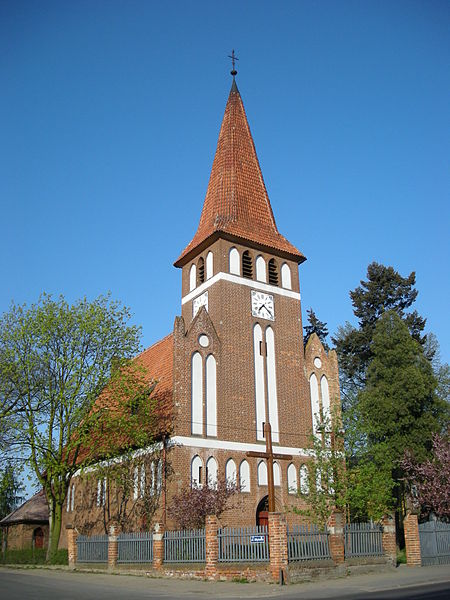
[(135, 547), (243, 544), (434, 543), (184, 546), (363, 539), (92, 549), (308, 543)]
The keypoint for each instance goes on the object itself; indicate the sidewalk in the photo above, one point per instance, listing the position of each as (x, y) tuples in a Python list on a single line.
[(355, 585)]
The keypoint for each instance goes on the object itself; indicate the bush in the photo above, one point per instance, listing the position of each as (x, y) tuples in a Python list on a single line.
[(29, 556)]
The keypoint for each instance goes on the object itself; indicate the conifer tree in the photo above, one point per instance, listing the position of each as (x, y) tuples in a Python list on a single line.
[(315, 326)]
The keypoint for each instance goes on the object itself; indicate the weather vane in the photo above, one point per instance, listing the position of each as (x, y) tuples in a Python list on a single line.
[(233, 62)]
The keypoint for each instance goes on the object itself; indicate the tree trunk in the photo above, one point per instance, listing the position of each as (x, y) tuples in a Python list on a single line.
[(55, 520)]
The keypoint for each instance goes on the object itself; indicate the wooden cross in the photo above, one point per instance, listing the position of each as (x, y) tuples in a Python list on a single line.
[(233, 59), (270, 456)]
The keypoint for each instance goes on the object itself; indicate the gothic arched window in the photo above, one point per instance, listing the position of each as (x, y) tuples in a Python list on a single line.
[(211, 473), (209, 265), (315, 408), (262, 473), (211, 396), (286, 281), (325, 398), (197, 394), (200, 270), (196, 471), (244, 476), (276, 474), (192, 278), (235, 267), (304, 479), (292, 479), (261, 269), (230, 471)]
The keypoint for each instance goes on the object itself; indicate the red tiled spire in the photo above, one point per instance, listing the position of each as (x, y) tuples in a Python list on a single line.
[(236, 201)]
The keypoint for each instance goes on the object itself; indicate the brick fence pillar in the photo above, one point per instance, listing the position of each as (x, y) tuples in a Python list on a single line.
[(211, 546), (278, 546), (412, 540), (113, 547), (72, 550), (389, 538), (158, 546), (336, 537)]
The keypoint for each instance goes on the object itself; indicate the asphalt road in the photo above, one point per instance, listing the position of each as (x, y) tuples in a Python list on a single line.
[(37, 584)]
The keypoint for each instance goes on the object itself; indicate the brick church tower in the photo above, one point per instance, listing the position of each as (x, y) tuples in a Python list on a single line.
[(239, 359)]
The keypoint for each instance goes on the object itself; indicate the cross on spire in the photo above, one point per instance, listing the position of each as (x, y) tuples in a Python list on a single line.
[(233, 63)]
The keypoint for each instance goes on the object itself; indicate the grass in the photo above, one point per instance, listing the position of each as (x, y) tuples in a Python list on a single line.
[(240, 580), (31, 557), (401, 557)]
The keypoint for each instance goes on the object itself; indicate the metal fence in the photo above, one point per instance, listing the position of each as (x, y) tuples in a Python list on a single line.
[(92, 549), (184, 546), (363, 539), (135, 547), (308, 543), (243, 544), (435, 543)]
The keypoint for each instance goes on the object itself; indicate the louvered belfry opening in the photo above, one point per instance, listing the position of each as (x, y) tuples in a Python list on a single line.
[(201, 270), (247, 265), (273, 272)]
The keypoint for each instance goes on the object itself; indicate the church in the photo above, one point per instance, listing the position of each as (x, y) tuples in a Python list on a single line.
[(236, 357)]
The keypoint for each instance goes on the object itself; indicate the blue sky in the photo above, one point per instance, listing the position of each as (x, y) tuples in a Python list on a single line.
[(109, 117)]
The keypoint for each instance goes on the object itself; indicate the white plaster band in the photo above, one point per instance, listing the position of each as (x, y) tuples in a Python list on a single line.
[(193, 442), (257, 285)]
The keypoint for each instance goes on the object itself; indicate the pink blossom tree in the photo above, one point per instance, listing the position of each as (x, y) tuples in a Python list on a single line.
[(429, 481)]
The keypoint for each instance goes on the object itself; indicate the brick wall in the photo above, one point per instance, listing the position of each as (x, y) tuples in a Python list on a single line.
[(412, 540)]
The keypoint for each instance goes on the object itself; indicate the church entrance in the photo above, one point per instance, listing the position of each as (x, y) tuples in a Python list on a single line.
[(262, 512), (38, 538)]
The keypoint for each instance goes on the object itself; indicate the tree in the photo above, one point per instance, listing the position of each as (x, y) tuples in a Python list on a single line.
[(191, 507), (398, 408), (315, 326), (11, 490), (429, 481), (56, 359), (384, 290)]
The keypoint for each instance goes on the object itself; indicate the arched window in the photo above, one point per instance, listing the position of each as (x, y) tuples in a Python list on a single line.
[(259, 381), (209, 265), (230, 471), (196, 471), (273, 272), (315, 408), (262, 473), (286, 281), (292, 479), (244, 476), (153, 478), (211, 473), (192, 278), (72, 498), (261, 269), (276, 474), (211, 396), (159, 476), (200, 270), (247, 266), (235, 267), (325, 398), (304, 479), (318, 480), (197, 394), (272, 384), (136, 483)]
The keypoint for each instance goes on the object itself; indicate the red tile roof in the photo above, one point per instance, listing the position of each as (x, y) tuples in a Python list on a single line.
[(236, 201)]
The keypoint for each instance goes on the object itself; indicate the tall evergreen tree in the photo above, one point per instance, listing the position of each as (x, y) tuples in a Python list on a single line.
[(10, 491), (315, 326), (398, 408), (384, 290)]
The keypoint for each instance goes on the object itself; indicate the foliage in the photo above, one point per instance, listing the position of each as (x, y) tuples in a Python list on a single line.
[(429, 481), (384, 290), (31, 556), (190, 508), (315, 326), (10, 491), (127, 489), (56, 359)]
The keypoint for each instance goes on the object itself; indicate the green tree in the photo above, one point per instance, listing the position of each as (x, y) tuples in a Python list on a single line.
[(11, 490), (56, 359), (315, 326), (384, 290), (398, 408)]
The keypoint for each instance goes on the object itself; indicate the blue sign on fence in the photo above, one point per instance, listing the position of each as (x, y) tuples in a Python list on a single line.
[(257, 539)]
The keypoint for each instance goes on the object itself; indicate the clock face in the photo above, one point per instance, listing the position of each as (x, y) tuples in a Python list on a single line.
[(262, 306), (198, 302)]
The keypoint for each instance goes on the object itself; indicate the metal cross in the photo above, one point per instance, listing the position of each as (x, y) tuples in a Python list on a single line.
[(233, 59)]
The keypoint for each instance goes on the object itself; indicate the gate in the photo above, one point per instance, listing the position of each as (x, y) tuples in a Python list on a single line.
[(435, 543)]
